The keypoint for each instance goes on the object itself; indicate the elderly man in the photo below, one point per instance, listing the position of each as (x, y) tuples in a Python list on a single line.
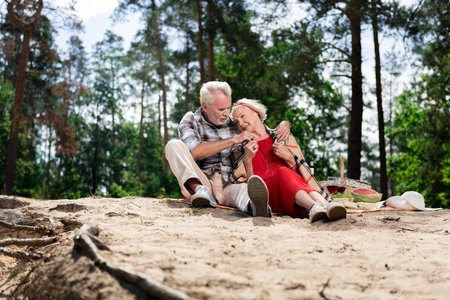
[(202, 159)]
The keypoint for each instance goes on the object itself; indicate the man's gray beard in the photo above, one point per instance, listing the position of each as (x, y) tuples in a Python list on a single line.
[(215, 122)]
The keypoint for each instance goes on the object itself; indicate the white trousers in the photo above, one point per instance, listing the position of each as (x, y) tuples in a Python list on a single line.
[(184, 168)]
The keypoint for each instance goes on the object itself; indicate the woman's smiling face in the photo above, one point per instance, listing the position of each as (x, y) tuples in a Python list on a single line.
[(245, 118)]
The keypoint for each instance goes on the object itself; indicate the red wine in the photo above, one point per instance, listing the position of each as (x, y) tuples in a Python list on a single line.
[(332, 189), (341, 189)]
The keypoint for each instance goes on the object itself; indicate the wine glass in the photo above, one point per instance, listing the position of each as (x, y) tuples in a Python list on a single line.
[(341, 186), (335, 185), (332, 185)]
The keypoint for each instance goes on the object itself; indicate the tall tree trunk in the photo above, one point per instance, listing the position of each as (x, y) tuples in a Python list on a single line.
[(141, 121), (115, 163), (355, 132), (113, 108), (141, 134), (211, 66), (200, 42), (32, 149), (95, 164), (187, 82), (382, 141), (391, 145), (31, 120), (55, 188), (159, 117), (15, 67), (27, 29), (47, 172), (162, 77)]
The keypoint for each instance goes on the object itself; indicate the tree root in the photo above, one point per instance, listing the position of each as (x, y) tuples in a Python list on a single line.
[(40, 228), (28, 242), (25, 242), (85, 240), (21, 254)]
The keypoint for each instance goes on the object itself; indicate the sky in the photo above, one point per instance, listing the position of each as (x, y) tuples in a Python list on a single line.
[(96, 17)]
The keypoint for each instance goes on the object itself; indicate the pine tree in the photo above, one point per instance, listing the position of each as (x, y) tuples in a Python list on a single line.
[(27, 29)]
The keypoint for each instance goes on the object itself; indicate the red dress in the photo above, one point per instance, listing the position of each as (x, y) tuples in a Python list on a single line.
[(282, 182)]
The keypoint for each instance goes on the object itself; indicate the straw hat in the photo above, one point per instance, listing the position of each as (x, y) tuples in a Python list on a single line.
[(409, 200)]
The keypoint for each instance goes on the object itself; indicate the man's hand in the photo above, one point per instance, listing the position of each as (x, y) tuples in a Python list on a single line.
[(283, 131), (208, 149), (242, 137)]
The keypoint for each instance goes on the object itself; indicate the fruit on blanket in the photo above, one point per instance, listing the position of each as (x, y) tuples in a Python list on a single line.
[(366, 195)]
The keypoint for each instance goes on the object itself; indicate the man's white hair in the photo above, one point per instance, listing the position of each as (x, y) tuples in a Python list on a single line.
[(210, 88), (254, 105)]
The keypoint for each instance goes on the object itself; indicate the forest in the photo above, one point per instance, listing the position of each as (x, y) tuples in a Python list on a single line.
[(65, 125)]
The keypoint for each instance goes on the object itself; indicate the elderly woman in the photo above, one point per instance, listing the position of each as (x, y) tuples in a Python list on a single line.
[(278, 166)]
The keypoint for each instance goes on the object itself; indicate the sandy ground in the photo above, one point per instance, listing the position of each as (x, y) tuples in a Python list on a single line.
[(225, 254)]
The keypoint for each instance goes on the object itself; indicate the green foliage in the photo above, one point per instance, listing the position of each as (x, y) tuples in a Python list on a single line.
[(422, 134), (6, 104), (421, 129)]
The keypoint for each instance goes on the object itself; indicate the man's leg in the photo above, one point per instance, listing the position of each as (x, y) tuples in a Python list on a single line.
[(190, 177), (238, 195)]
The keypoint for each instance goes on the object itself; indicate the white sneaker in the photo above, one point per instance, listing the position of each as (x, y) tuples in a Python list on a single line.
[(203, 197), (317, 212), (259, 197), (336, 211)]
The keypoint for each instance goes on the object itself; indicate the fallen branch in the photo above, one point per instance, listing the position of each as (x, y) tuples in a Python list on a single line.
[(28, 242), (39, 228), (84, 240)]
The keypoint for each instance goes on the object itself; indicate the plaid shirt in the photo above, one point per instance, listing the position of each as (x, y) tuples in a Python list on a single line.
[(194, 129)]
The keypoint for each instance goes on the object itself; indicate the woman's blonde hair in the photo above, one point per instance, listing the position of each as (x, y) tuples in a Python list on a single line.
[(254, 105)]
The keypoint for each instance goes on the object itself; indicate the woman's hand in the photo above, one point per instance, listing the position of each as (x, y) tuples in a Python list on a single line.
[(250, 150), (283, 152)]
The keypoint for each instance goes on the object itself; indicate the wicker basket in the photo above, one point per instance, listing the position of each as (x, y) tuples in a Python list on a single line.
[(350, 184)]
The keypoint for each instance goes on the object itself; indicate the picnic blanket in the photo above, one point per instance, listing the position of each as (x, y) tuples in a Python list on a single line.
[(349, 210)]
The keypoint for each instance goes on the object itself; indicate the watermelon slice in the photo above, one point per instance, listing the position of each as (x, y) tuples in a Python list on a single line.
[(366, 195)]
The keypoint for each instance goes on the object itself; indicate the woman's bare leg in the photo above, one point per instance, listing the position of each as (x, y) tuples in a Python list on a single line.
[(316, 210), (318, 198), (304, 200)]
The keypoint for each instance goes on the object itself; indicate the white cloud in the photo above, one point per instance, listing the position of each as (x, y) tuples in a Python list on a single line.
[(87, 9)]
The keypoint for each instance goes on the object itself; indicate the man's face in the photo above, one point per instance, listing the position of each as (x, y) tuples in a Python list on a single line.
[(218, 111)]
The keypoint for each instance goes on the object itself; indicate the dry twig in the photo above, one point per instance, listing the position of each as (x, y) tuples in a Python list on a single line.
[(321, 293)]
